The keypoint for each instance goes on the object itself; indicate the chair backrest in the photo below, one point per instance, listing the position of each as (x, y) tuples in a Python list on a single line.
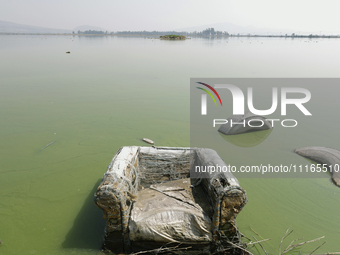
[(162, 164)]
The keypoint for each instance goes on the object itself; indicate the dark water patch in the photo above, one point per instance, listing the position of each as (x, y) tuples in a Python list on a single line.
[(87, 231)]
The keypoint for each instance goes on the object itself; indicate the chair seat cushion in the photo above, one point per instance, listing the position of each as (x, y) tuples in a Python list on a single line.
[(167, 213)]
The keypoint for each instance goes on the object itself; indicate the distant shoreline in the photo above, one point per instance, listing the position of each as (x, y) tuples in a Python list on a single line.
[(196, 36)]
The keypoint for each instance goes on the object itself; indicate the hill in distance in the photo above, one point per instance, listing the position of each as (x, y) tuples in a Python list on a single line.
[(11, 27)]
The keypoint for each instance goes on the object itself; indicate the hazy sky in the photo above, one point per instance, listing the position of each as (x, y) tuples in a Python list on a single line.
[(116, 15)]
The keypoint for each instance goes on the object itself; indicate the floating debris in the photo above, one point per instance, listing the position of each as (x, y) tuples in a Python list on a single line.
[(258, 123), (148, 141), (168, 209), (328, 157), (68, 52), (47, 145)]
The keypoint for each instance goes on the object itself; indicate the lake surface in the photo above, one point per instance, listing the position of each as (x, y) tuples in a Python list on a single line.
[(63, 117)]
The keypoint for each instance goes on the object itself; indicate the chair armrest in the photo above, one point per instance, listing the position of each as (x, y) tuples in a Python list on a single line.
[(224, 191), (118, 189)]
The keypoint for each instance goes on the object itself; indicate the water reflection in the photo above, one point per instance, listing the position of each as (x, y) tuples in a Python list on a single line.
[(250, 139)]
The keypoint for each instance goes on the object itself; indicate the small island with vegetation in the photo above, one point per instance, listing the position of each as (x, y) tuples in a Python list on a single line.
[(173, 37)]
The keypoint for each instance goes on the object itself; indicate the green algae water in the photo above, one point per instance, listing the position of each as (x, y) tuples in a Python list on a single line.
[(63, 117)]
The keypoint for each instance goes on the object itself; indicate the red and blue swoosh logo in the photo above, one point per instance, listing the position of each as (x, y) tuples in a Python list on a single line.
[(209, 93)]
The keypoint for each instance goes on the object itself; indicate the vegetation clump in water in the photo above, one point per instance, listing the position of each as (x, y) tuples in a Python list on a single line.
[(173, 37)]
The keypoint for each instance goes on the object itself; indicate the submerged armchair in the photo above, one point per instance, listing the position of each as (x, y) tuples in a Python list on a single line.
[(154, 196)]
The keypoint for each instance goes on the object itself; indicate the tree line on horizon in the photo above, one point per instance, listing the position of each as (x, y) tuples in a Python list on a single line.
[(206, 32), (209, 32)]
